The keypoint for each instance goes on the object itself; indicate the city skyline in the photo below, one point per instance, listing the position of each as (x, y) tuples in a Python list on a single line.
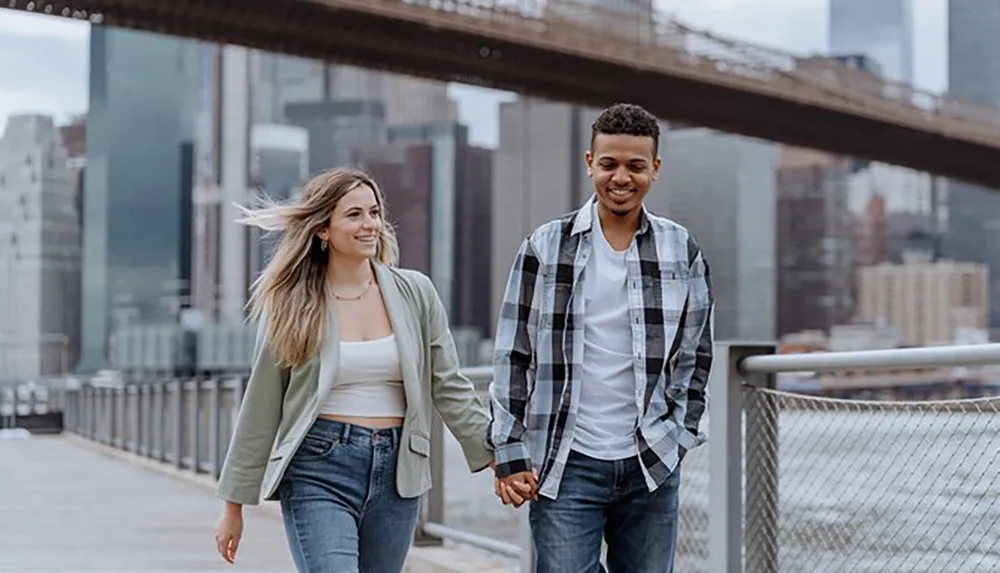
[(46, 57), (343, 116)]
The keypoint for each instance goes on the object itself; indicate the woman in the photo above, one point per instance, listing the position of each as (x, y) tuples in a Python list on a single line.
[(351, 354)]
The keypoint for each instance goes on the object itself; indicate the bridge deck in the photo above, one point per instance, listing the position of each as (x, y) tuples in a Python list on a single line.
[(66, 508)]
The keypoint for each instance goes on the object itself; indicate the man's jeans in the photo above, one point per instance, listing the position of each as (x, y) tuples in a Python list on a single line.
[(606, 499), (339, 502)]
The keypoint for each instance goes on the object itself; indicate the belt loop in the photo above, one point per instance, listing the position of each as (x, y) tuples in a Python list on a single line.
[(345, 432)]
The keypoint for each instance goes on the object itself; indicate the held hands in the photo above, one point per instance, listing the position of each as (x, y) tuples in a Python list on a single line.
[(516, 489)]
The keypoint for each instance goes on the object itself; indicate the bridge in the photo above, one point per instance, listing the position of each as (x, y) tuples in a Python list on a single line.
[(787, 483), (551, 49)]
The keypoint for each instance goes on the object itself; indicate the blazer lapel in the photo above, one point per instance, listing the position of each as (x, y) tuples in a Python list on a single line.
[(328, 353), (398, 310)]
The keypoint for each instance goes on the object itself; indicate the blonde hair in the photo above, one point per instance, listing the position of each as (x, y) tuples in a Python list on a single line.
[(291, 292)]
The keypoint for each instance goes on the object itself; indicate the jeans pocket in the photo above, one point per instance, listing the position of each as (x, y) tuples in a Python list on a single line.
[(314, 448)]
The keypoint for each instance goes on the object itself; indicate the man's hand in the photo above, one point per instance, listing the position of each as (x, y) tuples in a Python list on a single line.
[(518, 488)]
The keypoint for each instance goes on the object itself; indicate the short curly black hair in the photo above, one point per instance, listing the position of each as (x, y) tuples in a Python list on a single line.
[(626, 119)]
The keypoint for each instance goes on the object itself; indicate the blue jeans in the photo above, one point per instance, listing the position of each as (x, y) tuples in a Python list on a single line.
[(608, 499), (339, 502)]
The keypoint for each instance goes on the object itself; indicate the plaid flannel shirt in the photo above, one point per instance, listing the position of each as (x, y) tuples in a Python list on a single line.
[(539, 347)]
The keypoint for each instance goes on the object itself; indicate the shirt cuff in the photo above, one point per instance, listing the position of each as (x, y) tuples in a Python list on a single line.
[(512, 458)]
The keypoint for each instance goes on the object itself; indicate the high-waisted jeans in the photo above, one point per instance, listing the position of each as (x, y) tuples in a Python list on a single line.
[(339, 502)]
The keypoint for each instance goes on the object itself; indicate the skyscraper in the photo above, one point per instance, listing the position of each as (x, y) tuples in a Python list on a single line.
[(722, 188), (539, 174), (881, 29), (439, 191), (974, 75), (222, 180), (814, 247), (140, 166), (39, 251)]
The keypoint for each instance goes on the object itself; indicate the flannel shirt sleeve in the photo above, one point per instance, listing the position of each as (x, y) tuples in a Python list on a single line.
[(696, 351), (514, 362)]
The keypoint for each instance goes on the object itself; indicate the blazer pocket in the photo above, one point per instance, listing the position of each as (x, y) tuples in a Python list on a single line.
[(281, 452), (420, 445)]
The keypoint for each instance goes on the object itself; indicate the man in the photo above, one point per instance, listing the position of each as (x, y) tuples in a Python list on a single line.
[(603, 350)]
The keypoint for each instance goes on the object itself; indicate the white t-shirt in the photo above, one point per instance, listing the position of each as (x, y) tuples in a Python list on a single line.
[(608, 411)]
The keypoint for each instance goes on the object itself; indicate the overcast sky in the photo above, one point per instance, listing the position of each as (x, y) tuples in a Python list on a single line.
[(44, 58)]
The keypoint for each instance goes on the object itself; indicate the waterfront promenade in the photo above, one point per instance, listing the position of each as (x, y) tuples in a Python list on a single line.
[(70, 505)]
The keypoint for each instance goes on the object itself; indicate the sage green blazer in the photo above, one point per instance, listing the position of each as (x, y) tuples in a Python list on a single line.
[(281, 404)]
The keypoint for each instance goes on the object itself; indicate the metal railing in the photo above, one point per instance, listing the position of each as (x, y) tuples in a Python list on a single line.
[(787, 482), (850, 485), (27, 400)]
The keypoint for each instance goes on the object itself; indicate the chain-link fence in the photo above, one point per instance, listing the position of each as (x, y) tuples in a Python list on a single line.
[(692, 536), (886, 487)]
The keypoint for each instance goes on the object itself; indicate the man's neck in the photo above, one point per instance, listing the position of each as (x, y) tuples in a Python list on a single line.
[(618, 225)]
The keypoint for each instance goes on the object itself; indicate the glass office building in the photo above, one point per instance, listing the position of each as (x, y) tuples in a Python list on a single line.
[(137, 206)]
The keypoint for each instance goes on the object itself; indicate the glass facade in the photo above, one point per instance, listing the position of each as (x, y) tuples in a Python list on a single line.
[(137, 209)]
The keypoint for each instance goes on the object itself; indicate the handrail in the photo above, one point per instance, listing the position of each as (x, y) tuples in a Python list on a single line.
[(475, 540), (965, 355)]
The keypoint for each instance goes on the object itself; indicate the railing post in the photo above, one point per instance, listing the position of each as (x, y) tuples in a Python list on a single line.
[(132, 418), (92, 413), (761, 455), (145, 415), (725, 503), (118, 417), (177, 413), (197, 430), (215, 426), (161, 410)]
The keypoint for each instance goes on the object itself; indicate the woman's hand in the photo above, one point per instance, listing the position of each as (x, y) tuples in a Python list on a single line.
[(229, 530)]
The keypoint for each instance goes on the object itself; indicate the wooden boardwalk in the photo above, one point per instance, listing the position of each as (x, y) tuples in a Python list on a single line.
[(66, 508)]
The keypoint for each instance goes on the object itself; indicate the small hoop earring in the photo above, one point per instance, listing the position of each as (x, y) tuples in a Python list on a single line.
[(322, 245)]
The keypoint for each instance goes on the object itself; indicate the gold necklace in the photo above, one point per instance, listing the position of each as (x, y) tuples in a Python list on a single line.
[(364, 291)]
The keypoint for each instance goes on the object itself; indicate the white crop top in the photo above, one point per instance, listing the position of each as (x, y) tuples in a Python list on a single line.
[(368, 381)]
